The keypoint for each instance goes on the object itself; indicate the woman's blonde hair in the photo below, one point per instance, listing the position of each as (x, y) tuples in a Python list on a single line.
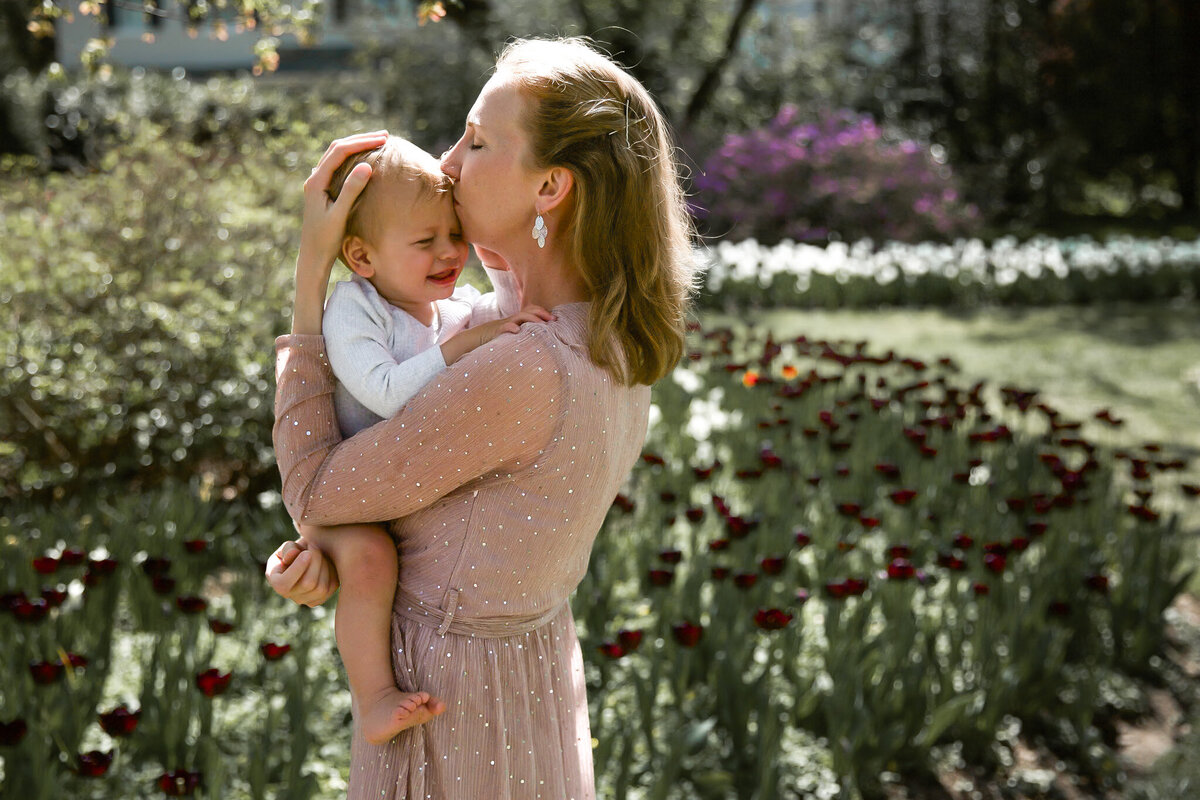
[(629, 231)]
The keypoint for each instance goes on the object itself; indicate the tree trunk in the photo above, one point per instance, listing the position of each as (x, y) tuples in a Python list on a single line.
[(1189, 97), (712, 76), (24, 49)]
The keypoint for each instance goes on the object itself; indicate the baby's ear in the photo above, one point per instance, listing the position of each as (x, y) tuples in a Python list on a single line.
[(357, 256)]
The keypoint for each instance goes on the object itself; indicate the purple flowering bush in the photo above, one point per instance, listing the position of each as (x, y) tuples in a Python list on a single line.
[(839, 176)]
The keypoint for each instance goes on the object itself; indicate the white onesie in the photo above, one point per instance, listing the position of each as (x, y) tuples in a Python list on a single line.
[(382, 356)]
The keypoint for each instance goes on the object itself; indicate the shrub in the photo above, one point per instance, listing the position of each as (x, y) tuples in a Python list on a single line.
[(836, 178), (138, 311)]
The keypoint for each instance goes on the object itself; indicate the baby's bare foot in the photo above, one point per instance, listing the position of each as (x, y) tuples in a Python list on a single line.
[(390, 711)]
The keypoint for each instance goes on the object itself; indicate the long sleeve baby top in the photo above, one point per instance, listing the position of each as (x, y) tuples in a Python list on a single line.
[(382, 356)]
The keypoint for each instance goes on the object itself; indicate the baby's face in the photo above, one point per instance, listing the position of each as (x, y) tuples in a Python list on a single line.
[(420, 252)]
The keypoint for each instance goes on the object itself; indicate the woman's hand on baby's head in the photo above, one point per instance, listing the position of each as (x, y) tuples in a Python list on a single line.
[(324, 223)]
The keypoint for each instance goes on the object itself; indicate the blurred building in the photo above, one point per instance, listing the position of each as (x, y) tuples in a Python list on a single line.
[(157, 34)]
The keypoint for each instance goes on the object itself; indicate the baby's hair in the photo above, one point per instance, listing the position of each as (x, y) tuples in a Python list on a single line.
[(396, 161)]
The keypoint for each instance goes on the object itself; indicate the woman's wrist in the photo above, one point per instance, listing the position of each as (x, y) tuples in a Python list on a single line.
[(309, 304)]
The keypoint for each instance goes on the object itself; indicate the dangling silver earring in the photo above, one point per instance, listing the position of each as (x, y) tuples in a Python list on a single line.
[(540, 230)]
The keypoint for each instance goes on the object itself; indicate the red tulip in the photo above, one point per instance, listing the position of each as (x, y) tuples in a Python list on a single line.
[(951, 562), (1189, 489), (903, 497), (76, 661), (769, 459), (803, 539), (120, 721), (750, 378), (31, 611), (849, 509), (981, 589), (802, 596), (212, 683), (887, 470), (12, 732), (653, 460), (704, 473), (661, 577), (869, 522), (739, 527), (163, 584), (899, 551), (195, 545), (670, 556), (46, 672), (630, 640), (745, 580), (771, 619), (72, 557), (191, 605), (720, 573), (274, 652), (686, 633), (94, 763), (54, 597), (218, 626), (846, 547), (1019, 543), (813, 480), (178, 783), (716, 545), (900, 569), (694, 514), (1144, 513), (772, 565), (611, 650), (842, 470), (45, 565), (623, 502), (1097, 582), (994, 562)]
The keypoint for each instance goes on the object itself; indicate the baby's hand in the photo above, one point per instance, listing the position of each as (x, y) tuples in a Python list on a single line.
[(462, 343)]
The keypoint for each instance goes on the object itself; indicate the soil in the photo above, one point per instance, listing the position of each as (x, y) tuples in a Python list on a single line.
[(1038, 773)]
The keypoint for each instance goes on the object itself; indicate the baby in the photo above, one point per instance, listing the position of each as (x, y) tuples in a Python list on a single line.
[(392, 327)]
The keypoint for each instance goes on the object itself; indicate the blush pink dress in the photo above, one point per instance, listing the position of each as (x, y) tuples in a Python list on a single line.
[(498, 476)]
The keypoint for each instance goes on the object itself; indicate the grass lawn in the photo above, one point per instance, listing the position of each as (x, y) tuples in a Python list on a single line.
[(1142, 363)]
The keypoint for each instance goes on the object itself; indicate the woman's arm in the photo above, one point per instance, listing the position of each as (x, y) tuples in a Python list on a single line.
[(324, 227), (493, 412)]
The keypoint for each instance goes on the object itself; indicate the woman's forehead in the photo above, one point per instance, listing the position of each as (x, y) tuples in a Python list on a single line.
[(499, 104)]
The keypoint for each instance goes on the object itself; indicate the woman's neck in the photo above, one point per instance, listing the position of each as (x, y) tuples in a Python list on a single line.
[(546, 278)]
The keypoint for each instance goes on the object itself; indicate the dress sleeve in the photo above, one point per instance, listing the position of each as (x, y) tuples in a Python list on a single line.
[(356, 341), (503, 302), (495, 410)]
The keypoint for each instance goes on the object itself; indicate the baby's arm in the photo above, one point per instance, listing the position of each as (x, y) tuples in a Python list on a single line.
[(356, 342), (503, 302)]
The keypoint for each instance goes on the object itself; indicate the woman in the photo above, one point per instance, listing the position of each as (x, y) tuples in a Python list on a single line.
[(498, 476)]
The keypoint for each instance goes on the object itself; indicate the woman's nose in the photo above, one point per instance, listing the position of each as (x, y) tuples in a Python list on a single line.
[(449, 166)]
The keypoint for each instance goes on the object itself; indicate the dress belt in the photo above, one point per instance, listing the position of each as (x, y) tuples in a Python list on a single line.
[(411, 607)]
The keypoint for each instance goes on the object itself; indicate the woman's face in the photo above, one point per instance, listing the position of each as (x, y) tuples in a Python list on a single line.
[(494, 190)]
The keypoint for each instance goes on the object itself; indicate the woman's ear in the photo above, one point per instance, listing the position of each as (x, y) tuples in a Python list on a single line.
[(356, 254), (555, 188)]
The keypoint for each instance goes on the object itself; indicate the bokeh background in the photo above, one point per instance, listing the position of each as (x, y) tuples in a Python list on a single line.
[(948, 244)]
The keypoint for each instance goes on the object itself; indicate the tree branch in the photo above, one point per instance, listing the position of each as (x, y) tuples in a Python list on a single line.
[(712, 76)]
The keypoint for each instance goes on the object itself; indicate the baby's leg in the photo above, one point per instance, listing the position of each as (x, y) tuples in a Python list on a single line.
[(366, 563)]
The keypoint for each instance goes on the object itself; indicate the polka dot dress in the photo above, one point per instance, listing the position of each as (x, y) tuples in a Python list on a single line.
[(497, 477)]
